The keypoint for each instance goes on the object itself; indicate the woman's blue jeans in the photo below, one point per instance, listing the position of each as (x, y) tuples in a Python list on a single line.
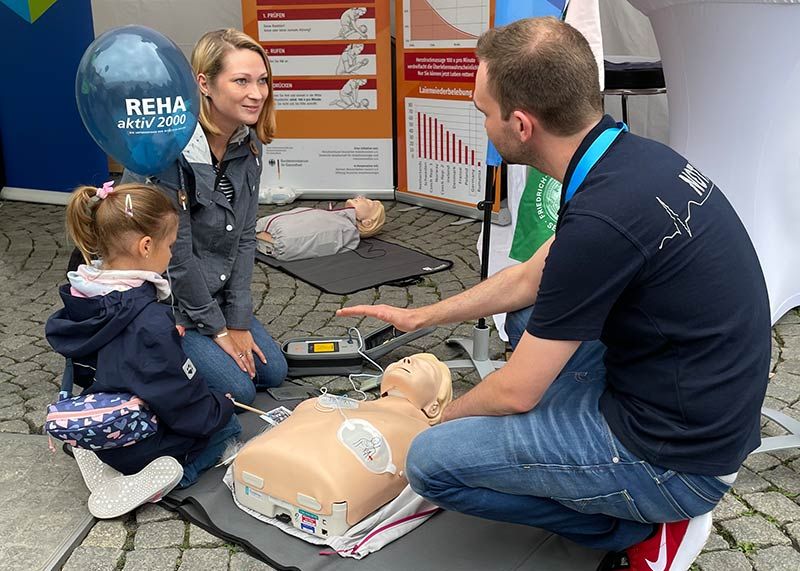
[(557, 467), (223, 374)]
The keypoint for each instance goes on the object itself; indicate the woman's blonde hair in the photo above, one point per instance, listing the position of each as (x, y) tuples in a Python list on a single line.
[(367, 228), (208, 58), (104, 227)]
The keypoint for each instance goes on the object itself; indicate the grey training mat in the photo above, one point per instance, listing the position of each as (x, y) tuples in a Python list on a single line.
[(375, 262), (446, 541)]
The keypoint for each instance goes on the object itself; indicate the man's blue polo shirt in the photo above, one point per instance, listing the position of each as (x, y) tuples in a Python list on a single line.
[(651, 259)]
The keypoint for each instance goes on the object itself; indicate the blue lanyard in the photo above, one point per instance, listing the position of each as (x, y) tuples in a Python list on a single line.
[(591, 156)]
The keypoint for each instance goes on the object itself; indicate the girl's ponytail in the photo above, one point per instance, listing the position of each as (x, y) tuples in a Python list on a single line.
[(81, 221)]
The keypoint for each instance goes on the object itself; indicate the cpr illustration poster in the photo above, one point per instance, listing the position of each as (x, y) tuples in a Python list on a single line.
[(331, 63)]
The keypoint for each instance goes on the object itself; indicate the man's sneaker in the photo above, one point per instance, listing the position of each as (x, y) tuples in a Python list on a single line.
[(125, 493), (95, 473), (673, 547)]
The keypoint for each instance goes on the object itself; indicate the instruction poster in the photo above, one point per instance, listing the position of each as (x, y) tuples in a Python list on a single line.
[(441, 136), (331, 65)]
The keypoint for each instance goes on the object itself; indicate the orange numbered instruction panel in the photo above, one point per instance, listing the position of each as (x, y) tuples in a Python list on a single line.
[(332, 78), (440, 137)]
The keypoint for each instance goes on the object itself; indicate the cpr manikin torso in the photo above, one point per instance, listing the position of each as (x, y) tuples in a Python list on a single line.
[(333, 462), (311, 233)]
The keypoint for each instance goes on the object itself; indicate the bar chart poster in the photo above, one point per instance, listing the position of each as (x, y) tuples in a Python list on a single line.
[(440, 135), (332, 83), (446, 148)]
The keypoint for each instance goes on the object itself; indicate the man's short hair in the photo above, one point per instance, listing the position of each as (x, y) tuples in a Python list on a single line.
[(545, 67)]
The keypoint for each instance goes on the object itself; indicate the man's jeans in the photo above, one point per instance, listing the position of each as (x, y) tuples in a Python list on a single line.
[(223, 374), (212, 453), (556, 467)]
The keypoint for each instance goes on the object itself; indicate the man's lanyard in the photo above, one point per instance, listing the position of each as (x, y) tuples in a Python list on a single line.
[(596, 150)]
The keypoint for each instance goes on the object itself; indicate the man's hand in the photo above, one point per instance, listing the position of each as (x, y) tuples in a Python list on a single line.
[(403, 319)]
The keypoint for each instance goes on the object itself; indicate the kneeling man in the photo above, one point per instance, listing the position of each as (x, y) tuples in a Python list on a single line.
[(634, 392)]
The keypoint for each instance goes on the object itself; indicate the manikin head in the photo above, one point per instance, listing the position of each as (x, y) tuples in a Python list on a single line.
[(370, 215), (423, 380)]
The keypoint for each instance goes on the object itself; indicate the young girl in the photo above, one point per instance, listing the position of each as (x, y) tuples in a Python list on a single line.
[(120, 339)]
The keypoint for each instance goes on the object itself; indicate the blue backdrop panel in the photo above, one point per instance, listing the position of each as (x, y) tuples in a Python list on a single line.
[(44, 143), (507, 11)]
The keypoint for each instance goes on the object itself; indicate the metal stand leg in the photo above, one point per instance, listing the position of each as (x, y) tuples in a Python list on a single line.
[(625, 108), (780, 442), (477, 348)]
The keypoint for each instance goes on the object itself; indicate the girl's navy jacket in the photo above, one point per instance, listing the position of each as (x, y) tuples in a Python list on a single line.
[(127, 342)]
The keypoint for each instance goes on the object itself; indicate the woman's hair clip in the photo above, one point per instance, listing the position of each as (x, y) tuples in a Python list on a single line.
[(128, 205)]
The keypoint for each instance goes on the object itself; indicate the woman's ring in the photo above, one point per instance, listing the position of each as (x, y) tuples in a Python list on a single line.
[(241, 355)]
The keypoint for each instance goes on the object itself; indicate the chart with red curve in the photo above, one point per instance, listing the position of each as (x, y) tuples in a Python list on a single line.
[(444, 23)]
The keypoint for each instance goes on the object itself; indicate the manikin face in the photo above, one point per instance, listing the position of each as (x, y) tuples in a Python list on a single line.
[(240, 90), (422, 380), (502, 132), (366, 209)]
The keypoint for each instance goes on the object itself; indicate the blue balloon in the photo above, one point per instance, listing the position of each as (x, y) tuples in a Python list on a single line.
[(138, 98)]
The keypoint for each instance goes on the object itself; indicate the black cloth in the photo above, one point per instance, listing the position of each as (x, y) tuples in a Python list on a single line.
[(127, 342), (650, 258)]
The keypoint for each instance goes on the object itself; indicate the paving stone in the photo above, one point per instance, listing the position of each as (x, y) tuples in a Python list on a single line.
[(199, 537), (204, 559), (110, 533), (780, 558), (723, 561), (793, 530), (160, 534), (786, 455), (788, 329), (10, 399), (790, 316), (152, 560), (7, 387), (35, 418), (754, 530), (17, 341), (12, 413), (785, 387), (775, 505), (149, 513), (241, 561), (715, 543), (783, 478), (15, 426), (748, 482), (93, 559), (760, 462)]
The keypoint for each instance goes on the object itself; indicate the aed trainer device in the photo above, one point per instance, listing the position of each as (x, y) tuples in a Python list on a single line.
[(308, 356)]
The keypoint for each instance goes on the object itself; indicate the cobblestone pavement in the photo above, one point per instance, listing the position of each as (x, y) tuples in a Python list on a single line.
[(757, 526)]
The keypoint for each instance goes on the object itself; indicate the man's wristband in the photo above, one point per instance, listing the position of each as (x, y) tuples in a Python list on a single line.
[(223, 333)]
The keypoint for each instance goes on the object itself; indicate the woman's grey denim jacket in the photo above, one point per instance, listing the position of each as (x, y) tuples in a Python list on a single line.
[(213, 256)]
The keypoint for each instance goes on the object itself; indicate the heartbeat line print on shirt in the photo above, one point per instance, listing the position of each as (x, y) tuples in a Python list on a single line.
[(699, 184)]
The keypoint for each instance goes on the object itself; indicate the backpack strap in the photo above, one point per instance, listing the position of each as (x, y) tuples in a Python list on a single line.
[(67, 381)]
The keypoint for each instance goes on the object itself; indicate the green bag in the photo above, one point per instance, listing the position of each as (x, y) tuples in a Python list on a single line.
[(537, 214)]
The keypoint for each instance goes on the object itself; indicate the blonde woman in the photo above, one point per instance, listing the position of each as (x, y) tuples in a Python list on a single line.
[(215, 187)]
